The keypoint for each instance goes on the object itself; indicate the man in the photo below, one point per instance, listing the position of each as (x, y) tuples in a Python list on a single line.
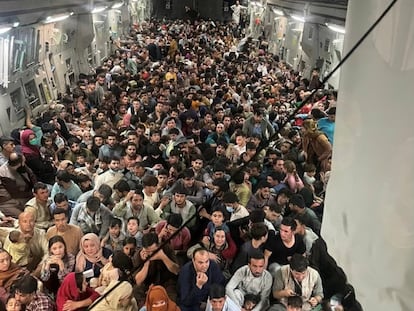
[(40, 206), (92, 217), (236, 210), (251, 279), (192, 189), (159, 268), (280, 247), (111, 176), (178, 205), (7, 148), (64, 184), (111, 148), (195, 280), (27, 294), (16, 185), (133, 205), (294, 303), (257, 124), (35, 239), (76, 150), (273, 214), (136, 175), (218, 136), (61, 201), (71, 234), (151, 196), (261, 198), (218, 301), (297, 207), (297, 279), (327, 125)]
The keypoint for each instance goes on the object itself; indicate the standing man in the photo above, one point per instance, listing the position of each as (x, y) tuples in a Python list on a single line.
[(195, 280), (237, 8), (251, 279)]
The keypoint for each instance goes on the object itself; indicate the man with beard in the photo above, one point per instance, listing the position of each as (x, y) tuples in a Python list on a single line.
[(261, 198), (16, 185), (251, 279), (111, 176), (76, 150)]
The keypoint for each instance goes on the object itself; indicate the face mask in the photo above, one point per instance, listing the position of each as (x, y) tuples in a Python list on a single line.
[(21, 169), (229, 208), (32, 142)]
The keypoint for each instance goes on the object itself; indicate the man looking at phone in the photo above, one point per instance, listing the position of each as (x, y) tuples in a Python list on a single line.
[(297, 279)]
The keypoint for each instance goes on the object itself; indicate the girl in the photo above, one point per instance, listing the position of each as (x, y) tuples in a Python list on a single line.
[(292, 178), (57, 265), (74, 293), (12, 304)]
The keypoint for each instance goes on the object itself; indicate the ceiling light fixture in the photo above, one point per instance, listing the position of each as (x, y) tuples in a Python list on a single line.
[(56, 18), (336, 28), (298, 18), (117, 5), (278, 12), (4, 30), (98, 9)]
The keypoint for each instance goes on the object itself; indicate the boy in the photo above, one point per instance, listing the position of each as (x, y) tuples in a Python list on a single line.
[(133, 230), (114, 238), (217, 220)]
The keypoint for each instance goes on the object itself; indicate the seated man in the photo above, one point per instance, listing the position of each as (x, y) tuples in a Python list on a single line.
[(16, 185), (297, 279), (61, 201), (27, 295), (218, 301), (39, 206), (251, 279), (195, 280), (92, 217), (192, 189), (159, 268), (34, 237), (71, 234), (64, 184)]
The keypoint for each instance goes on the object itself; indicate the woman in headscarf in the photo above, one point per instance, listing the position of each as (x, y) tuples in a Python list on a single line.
[(74, 293), (9, 273), (119, 299), (316, 145), (91, 255), (158, 300)]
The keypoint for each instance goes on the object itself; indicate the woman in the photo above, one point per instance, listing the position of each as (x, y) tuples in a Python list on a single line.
[(158, 300), (221, 249), (91, 255), (292, 178), (59, 264), (9, 273), (74, 293), (316, 145), (119, 299)]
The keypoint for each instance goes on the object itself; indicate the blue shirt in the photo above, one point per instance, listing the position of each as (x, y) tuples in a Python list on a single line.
[(327, 127)]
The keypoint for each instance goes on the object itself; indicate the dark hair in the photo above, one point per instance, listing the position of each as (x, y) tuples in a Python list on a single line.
[(216, 291), (222, 184), (60, 197), (258, 230), (115, 222), (298, 263), (39, 185), (56, 239), (252, 297), (93, 204), (290, 222), (79, 280), (257, 216), (187, 173), (162, 172), (295, 301), (59, 211), (149, 238), (199, 250), (150, 181), (27, 284), (133, 218), (73, 140), (256, 254), (63, 176), (130, 240), (175, 220), (122, 186), (123, 262)]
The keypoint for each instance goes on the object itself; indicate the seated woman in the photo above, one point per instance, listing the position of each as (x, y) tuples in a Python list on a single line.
[(59, 264), (119, 299), (221, 248), (91, 256), (157, 299), (74, 293), (9, 273)]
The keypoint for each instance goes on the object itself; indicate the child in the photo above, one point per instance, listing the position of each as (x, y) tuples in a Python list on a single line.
[(133, 230), (80, 161), (114, 238), (130, 245), (309, 175), (18, 248), (217, 220), (250, 302)]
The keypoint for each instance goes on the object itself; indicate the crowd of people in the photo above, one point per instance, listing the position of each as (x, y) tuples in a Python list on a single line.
[(173, 179)]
